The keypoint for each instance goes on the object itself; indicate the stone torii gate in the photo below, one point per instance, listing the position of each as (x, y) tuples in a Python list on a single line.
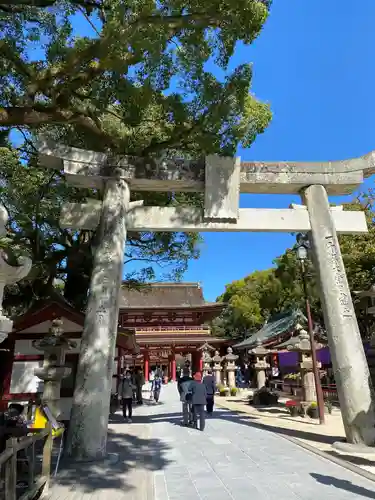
[(221, 180)]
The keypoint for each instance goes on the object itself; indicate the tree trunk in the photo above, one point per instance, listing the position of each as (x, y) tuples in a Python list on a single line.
[(78, 271)]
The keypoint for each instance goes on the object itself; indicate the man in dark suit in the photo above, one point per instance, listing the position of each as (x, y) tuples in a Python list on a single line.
[(209, 382), (198, 400)]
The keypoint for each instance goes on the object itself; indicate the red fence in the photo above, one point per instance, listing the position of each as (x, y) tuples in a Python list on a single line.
[(292, 387), (330, 392)]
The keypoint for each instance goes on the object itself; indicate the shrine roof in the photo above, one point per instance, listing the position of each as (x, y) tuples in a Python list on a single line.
[(276, 326), (38, 318), (164, 295), (48, 308)]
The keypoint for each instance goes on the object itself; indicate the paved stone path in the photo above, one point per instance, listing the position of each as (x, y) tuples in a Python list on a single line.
[(160, 460), (232, 460)]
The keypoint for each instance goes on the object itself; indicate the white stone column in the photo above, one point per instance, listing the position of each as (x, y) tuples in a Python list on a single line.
[(9, 274), (87, 436), (348, 358)]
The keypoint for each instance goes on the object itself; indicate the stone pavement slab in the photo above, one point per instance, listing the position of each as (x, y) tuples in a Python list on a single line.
[(232, 459), (127, 474), (306, 430)]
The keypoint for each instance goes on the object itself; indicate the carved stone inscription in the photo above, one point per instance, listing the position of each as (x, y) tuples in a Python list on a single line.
[(335, 263)]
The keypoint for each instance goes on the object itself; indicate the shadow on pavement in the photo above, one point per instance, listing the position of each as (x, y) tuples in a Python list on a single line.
[(356, 460), (133, 453), (239, 418), (342, 484)]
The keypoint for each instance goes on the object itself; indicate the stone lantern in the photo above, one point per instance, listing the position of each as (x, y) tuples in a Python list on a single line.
[(9, 273), (260, 364), (303, 346), (230, 367), (54, 347), (206, 358), (217, 367)]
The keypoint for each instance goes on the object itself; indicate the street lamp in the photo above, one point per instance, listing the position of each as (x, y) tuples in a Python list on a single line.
[(302, 254)]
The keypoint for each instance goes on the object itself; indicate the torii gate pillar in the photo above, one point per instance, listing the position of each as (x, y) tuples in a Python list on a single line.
[(87, 438), (349, 362)]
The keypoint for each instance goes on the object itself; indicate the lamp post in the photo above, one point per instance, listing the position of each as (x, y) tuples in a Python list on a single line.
[(302, 253)]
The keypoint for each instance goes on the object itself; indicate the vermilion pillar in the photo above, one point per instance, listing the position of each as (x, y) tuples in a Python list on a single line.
[(173, 367), (195, 361), (146, 360)]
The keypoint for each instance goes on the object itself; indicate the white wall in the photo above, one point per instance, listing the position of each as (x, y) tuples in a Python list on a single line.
[(23, 378)]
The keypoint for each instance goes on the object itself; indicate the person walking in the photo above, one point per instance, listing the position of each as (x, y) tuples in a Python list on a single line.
[(199, 401), (183, 386), (127, 388), (156, 387), (139, 382), (209, 382)]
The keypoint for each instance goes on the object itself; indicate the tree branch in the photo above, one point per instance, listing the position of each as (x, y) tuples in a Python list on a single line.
[(50, 3), (41, 115), (179, 21), (9, 53)]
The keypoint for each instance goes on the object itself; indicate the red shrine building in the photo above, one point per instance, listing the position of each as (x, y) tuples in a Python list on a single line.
[(160, 325), (171, 324)]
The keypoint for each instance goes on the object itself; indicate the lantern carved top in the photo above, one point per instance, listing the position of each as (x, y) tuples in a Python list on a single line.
[(54, 341), (206, 347), (259, 350), (303, 343), (217, 358), (230, 357)]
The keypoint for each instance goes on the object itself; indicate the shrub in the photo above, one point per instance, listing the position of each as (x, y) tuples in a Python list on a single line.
[(265, 397), (233, 391), (329, 406), (224, 391), (292, 376)]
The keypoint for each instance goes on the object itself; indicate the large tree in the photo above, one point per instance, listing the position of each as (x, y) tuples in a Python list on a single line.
[(138, 82)]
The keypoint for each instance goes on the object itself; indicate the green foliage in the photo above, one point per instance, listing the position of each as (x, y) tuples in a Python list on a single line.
[(233, 391), (137, 85), (223, 391), (257, 297)]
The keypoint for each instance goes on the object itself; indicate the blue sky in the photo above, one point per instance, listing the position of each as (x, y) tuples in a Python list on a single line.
[(313, 63)]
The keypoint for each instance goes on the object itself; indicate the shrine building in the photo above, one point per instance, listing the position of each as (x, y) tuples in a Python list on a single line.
[(160, 325), (171, 324)]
